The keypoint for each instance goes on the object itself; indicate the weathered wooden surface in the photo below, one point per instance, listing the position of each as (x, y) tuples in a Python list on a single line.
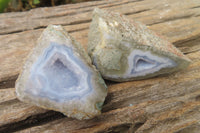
[(168, 103)]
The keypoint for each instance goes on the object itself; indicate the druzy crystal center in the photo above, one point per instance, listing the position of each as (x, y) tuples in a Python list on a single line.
[(54, 76), (62, 74)]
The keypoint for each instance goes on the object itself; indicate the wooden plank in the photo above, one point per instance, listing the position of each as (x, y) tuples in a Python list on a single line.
[(158, 105), (7, 94), (118, 120), (35, 19), (158, 95), (15, 48), (167, 101), (41, 18)]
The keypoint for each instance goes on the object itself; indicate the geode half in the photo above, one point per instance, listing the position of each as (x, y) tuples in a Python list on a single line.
[(58, 75), (124, 50)]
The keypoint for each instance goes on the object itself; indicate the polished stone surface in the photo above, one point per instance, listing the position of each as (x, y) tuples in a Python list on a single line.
[(58, 75)]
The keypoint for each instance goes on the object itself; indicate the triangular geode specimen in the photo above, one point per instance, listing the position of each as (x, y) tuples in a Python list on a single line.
[(124, 50), (58, 75)]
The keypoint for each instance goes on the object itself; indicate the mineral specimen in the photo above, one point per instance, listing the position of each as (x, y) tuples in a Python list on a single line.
[(58, 75), (124, 50)]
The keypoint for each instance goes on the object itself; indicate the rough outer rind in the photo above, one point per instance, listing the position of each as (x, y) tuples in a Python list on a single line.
[(75, 108), (127, 35)]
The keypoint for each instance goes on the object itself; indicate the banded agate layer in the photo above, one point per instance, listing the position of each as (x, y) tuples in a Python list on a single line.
[(124, 50), (58, 75)]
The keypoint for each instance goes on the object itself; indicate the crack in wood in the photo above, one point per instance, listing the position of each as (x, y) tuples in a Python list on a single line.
[(182, 41), (136, 126), (188, 43), (31, 121), (198, 6), (140, 11), (77, 30), (66, 14), (10, 102), (8, 82), (122, 128), (173, 19)]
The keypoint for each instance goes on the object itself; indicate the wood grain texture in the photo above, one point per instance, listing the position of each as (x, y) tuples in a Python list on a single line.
[(168, 103), (161, 16), (163, 104)]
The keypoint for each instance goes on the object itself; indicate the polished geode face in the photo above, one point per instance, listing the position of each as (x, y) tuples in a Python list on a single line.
[(58, 75), (142, 63), (139, 63)]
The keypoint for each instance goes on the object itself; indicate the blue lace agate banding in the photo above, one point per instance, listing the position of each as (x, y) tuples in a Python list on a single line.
[(145, 63), (68, 77)]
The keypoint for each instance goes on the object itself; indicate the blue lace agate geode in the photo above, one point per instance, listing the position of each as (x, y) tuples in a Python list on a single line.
[(58, 75), (124, 50)]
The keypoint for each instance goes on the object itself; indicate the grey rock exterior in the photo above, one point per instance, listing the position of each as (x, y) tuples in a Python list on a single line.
[(124, 50)]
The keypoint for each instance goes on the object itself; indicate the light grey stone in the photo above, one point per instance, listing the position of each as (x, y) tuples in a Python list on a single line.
[(124, 50)]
